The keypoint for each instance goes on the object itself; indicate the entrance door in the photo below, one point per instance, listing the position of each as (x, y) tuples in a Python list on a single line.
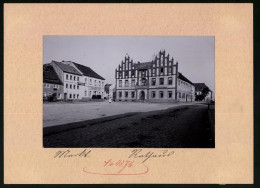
[(142, 95)]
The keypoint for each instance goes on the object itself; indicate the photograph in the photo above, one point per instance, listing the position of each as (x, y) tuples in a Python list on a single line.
[(128, 91)]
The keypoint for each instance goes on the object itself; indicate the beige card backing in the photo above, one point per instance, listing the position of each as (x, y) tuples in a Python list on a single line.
[(25, 159)]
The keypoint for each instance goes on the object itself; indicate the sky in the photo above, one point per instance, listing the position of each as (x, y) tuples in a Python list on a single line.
[(103, 54)]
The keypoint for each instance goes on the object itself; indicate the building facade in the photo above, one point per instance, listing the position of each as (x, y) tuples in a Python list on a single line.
[(185, 89), (154, 81), (80, 82), (52, 85), (90, 83)]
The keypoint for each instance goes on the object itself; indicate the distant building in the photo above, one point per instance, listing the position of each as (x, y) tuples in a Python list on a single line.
[(52, 85), (79, 81), (154, 81), (199, 88)]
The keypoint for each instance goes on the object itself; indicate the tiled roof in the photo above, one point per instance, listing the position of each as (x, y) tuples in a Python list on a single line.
[(66, 68), (200, 86), (50, 75), (180, 76), (88, 71), (144, 65)]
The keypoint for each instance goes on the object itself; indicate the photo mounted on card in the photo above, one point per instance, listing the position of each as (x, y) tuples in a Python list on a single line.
[(118, 95)]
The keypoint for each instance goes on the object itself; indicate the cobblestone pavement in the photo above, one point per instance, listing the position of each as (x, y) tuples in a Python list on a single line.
[(179, 127)]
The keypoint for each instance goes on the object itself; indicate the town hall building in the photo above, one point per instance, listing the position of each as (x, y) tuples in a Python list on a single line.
[(155, 81)]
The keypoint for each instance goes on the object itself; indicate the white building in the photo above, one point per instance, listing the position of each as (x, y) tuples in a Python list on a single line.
[(79, 81), (185, 89)]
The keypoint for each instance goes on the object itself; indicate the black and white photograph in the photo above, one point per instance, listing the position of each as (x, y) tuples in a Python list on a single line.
[(128, 91)]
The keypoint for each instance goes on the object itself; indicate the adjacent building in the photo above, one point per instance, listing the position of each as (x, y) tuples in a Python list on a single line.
[(52, 85), (79, 81), (185, 89), (154, 81)]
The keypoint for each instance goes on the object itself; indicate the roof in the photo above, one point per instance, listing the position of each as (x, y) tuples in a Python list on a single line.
[(200, 86), (67, 68), (50, 75), (88, 71), (180, 76), (144, 65)]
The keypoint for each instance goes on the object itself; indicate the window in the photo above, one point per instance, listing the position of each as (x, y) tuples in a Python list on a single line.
[(120, 94), (74, 96), (74, 77), (170, 81), (70, 96), (133, 82), (126, 73), (95, 82), (161, 81), (90, 94), (126, 83), (99, 83), (77, 87), (161, 70), (90, 81), (67, 76), (170, 70), (57, 86), (153, 94), (70, 77), (66, 85), (183, 95), (161, 94), (153, 81), (169, 94), (179, 95), (85, 93), (133, 94), (77, 96), (120, 83), (86, 80), (132, 73), (59, 96), (78, 78), (74, 87), (126, 94), (70, 86)]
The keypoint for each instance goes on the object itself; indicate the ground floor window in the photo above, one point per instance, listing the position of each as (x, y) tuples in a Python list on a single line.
[(169, 94), (74, 96), (161, 94), (126, 94), (77, 96), (183, 95), (133, 94), (153, 94), (120, 94), (70, 96), (90, 93)]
